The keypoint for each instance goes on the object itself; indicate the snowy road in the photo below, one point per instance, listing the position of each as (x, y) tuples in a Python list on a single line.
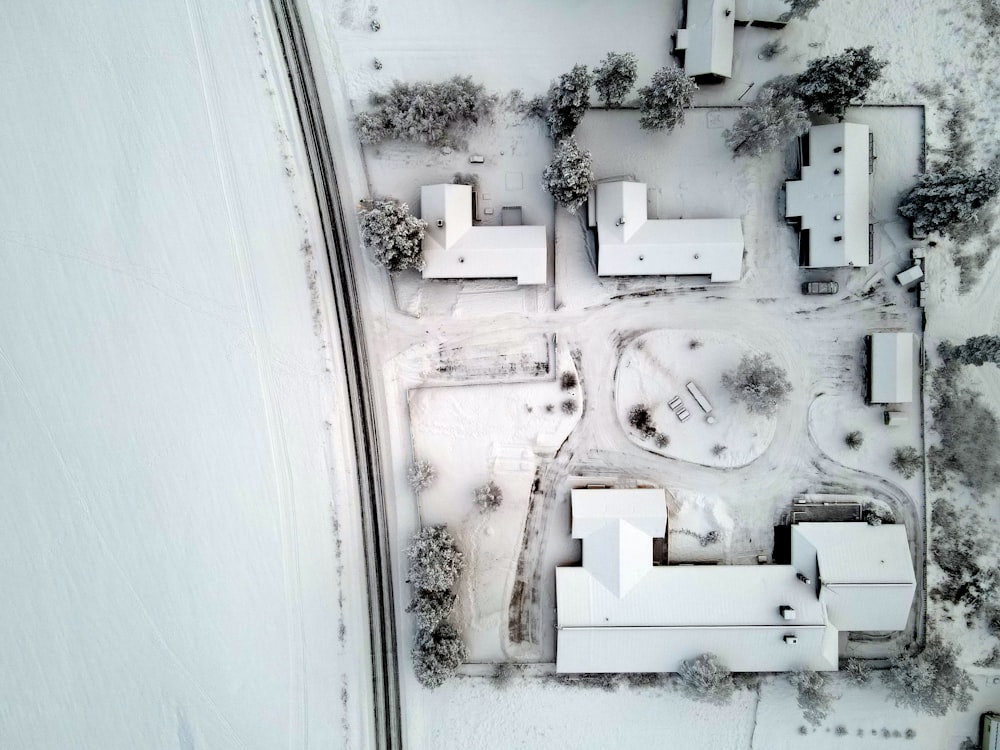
[(180, 527)]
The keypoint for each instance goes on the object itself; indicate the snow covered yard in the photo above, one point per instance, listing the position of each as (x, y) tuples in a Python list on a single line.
[(657, 367), (173, 458)]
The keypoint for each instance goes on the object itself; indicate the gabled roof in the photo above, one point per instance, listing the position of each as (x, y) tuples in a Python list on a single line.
[(707, 39), (593, 509), (831, 198), (630, 244), (460, 250), (891, 368)]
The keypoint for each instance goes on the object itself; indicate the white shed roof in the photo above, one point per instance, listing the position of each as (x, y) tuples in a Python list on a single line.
[(630, 244), (646, 509), (707, 40), (891, 368), (459, 250), (833, 184), (864, 573)]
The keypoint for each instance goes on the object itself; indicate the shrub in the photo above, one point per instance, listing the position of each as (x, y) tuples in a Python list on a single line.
[(431, 607), (662, 102), (799, 9), (977, 351), (504, 674), (829, 84), (718, 449), (758, 383), (640, 418), (421, 475), (815, 698), (569, 406), (907, 461), (857, 671), (854, 440), (941, 201), (772, 49), (435, 562), (437, 655), (567, 102), (393, 234), (660, 440), (767, 124), (568, 381), (931, 683), (705, 678), (489, 497), (615, 77), (569, 176), (430, 113), (958, 544)]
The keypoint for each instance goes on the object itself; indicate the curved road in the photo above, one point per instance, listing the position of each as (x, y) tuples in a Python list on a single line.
[(367, 451)]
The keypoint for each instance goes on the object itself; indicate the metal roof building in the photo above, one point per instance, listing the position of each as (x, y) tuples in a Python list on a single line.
[(830, 200), (707, 39), (631, 244), (455, 249), (891, 365), (619, 612)]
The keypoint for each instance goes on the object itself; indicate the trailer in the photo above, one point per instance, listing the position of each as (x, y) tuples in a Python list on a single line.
[(703, 402)]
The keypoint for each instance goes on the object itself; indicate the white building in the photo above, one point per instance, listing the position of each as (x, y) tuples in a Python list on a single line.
[(891, 365), (709, 32), (630, 244), (619, 612), (456, 249), (830, 201)]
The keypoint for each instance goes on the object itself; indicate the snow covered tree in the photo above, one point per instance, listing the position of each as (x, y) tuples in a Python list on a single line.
[(706, 678), (942, 200), (854, 440), (758, 383), (570, 175), (615, 77), (567, 101), (767, 124), (435, 560), (437, 655), (431, 607), (977, 350), (421, 475), (829, 84), (857, 671), (662, 102), (931, 683), (393, 234), (799, 9), (815, 698), (425, 112), (489, 497), (907, 461)]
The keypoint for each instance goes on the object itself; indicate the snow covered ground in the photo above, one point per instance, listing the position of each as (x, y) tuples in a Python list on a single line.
[(521, 45), (174, 464)]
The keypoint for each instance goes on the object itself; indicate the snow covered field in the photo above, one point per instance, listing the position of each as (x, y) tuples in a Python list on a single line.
[(513, 46), (173, 460)]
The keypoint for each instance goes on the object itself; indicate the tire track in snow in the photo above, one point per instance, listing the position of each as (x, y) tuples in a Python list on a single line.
[(298, 706)]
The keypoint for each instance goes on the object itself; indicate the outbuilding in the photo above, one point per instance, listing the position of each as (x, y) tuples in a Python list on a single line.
[(891, 366)]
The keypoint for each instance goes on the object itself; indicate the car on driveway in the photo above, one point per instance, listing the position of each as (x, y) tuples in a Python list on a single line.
[(820, 287)]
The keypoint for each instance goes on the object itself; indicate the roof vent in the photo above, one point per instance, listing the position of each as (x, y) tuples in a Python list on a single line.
[(696, 256), (836, 217), (440, 223), (620, 222), (837, 170), (838, 149), (729, 12), (461, 260), (837, 238), (786, 612), (803, 578), (791, 639), (642, 257)]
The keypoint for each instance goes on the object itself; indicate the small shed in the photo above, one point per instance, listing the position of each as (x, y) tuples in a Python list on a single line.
[(891, 360)]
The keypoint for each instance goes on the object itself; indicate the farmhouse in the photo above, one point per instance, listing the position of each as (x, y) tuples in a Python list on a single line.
[(620, 612), (631, 244), (706, 40), (890, 367), (830, 202), (456, 249)]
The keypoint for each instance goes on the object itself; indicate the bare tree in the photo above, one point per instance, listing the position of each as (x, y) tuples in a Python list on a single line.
[(615, 77), (941, 201), (421, 475), (706, 678), (767, 124), (663, 101), (758, 383), (931, 683), (815, 697), (907, 461), (489, 497)]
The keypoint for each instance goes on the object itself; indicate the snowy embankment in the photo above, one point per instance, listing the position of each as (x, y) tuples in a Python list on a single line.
[(174, 464)]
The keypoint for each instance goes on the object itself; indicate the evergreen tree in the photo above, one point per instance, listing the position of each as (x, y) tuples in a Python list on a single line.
[(931, 683), (767, 124), (567, 102), (829, 84), (393, 234), (941, 200), (758, 383), (570, 175), (615, 77), (662, 102)]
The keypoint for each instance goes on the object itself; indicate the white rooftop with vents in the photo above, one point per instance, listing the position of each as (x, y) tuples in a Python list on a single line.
[(629, 243), (830, 200), (454, 248), (619, 612)]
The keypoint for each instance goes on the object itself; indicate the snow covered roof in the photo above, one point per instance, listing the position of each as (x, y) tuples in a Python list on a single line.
[(864, 573), (831, 198), (646, 509), (630, 244), (707, 40), (459, 250), (770, 12), (890, 368)]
